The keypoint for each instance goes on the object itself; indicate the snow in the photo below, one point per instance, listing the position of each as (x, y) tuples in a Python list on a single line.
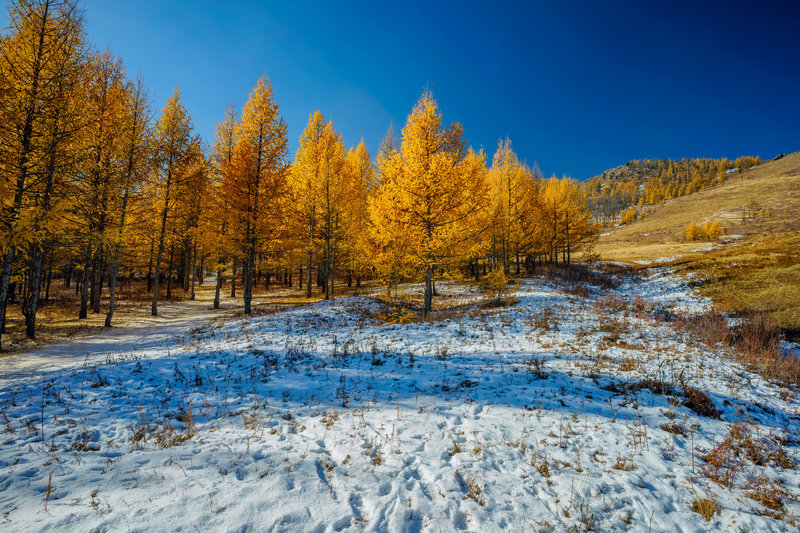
[(323, 418), (656, 261)]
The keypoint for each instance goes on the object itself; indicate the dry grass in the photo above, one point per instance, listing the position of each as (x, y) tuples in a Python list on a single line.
[(754, 341), (706, 507), (761, 274)]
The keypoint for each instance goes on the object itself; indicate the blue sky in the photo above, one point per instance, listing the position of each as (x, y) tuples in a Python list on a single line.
[(578, 86)]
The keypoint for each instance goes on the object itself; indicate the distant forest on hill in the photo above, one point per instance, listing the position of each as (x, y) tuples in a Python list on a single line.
[(651, 182)]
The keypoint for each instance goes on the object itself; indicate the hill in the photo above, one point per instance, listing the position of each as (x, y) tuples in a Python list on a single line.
[(755, 265), (652, 182), (773, 185)]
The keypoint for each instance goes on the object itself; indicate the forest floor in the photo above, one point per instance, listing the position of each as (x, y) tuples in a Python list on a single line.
[(57, 320), (576, 408)]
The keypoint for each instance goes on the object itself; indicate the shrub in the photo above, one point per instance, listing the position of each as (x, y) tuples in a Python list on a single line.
[(742, 446), (709, 231), (699, 402), (756, 341), (580, 274), (706, 508), (629, 216), (497, 288), (396, 315), (768, 493)]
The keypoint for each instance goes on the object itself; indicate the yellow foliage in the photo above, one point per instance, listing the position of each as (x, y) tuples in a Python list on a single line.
[(497, 288), (708, 231), (692, 232), (397, 315), (629, 216), (563, 219), (514, 199), (431, 194)]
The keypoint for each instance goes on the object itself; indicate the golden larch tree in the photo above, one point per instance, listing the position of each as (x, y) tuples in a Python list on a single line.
[(258, 179), (174, 141), (437, 185)]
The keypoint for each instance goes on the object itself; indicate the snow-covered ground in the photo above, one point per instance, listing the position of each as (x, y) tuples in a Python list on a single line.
[(535, 417)]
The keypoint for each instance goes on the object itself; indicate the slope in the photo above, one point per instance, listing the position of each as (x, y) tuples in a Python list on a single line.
[(559, 413), (755, 267), (773, 185)]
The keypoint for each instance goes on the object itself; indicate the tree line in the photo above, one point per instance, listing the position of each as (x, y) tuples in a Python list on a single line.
[(96, 188)]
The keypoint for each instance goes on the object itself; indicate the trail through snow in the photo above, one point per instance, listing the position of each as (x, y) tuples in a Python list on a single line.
[(148, 333)]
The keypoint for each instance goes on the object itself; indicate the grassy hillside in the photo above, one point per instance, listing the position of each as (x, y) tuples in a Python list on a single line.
[(755, 266), (775, 185)]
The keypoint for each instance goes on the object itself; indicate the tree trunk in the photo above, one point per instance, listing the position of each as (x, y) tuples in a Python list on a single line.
[(248, 276), (169, 270), (160, 254), (150, 268), (8, 260), (82, 313), (194, 269), (112, 284), (332, 271), (326, 280), (49, 276), (218, 288), (233, 279), (308, 273), (31, 302), (97, 280), (322, 276), (428, 302), (569, 258)]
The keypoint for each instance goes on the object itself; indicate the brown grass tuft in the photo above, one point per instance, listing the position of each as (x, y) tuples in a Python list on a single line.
[(706, 508)]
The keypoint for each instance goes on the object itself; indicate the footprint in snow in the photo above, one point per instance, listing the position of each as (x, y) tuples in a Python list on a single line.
[(410, 473), (459, 521), (342, 523)]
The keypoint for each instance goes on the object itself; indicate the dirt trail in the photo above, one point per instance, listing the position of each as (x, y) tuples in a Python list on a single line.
[(140, 334)]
